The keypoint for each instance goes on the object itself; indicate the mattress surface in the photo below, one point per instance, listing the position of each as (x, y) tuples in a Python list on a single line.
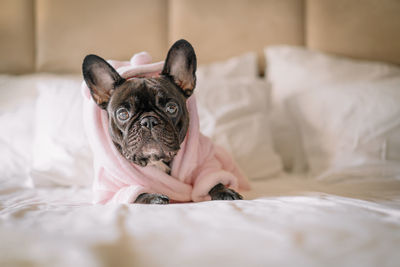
[(284, 221)]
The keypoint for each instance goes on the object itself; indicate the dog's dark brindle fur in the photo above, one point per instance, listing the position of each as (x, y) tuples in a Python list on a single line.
[(148, 118)]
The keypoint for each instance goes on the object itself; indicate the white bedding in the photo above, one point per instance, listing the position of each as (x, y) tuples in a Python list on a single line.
[(293, 223), (351, 217)]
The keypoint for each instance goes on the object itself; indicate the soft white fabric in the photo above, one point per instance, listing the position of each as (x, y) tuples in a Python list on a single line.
[(16, 91), (59, 227), (291, 70), (16, 119), (350, 125), (241, 66), (15, 145), (61, 154), (234, 113)]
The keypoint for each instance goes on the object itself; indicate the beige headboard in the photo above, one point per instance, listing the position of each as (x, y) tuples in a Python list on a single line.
[(55, 35)]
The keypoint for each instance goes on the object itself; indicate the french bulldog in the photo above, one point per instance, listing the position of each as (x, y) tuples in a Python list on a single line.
[(148, 117)]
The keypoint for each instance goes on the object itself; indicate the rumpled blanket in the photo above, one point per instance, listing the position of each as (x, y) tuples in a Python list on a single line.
[(196, 169)]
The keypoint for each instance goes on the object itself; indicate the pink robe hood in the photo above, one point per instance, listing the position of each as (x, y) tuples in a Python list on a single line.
[(196, 169)]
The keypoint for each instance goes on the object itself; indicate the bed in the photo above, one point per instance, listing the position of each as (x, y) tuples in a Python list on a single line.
[(304, 95)]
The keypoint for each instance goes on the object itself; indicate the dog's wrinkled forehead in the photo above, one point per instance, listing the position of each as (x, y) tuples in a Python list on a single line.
[(144, 93)]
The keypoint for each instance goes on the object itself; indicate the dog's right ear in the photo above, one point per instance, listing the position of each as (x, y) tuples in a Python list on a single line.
[(101, 78), (180, 65)]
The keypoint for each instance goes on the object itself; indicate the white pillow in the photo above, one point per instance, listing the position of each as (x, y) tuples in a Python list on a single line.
[(234, 113), (17, 98), (291, 70), (343, 126), (241, 66), (60, 151), (16, 144), (16, 91)]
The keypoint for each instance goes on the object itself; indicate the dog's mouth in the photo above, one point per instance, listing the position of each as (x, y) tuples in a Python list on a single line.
[(156, 146), (152, 154)]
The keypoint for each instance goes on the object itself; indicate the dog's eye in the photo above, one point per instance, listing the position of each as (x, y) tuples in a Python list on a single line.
[(122, 114), (171, 108)]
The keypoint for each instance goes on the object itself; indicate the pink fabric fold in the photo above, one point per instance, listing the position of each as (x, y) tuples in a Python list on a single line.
[(198, 166)]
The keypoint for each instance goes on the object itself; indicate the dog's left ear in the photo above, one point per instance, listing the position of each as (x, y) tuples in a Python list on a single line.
[(181, 66), (101, 78)]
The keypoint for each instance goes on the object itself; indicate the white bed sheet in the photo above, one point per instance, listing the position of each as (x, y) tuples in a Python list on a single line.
[(288, 221)]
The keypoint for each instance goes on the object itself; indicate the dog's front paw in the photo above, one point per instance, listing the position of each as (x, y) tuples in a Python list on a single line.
[(221, 192), (146, 198)]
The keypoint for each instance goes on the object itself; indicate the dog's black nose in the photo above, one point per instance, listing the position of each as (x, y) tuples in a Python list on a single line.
[(149, 122)]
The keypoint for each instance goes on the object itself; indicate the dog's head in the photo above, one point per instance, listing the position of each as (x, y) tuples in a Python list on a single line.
[(148, 118)]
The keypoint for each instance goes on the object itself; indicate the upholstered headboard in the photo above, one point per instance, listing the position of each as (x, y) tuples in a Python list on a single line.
[(55, 35)]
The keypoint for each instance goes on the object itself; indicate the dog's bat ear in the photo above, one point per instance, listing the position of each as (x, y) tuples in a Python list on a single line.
[(181, 66), (101, 78)]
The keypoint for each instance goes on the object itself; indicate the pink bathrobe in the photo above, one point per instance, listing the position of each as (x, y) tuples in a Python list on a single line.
[(196, 169)]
